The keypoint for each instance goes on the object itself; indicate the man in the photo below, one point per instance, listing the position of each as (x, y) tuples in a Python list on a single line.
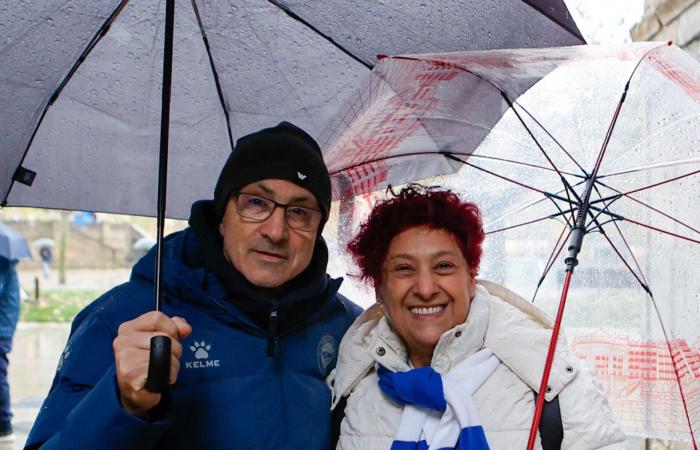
[(253, 317)]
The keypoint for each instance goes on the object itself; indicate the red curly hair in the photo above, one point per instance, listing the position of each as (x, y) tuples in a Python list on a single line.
[(415, 206)]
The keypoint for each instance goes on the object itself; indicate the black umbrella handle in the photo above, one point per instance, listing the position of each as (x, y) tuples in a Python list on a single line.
[(159, 361), (159, 365)]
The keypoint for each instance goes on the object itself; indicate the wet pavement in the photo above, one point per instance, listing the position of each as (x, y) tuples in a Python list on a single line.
[(38, 346), (35, 353)]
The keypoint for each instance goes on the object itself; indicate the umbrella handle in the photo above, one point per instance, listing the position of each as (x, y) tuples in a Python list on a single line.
[(159, 365)]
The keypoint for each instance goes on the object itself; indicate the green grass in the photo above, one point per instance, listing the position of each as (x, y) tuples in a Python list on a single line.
[(57, 305)]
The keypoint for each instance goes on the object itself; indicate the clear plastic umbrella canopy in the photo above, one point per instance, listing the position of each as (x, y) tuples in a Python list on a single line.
[(80, 83), (521, 133)]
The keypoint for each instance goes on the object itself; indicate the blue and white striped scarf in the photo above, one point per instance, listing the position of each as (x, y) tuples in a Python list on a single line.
[(439, 412)]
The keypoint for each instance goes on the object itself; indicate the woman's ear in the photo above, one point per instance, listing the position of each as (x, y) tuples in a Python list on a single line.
[(378, 296), (471, 287)]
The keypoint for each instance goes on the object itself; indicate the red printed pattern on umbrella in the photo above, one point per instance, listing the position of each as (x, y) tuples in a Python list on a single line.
[(687, 80), (375, 140), (641, 381)]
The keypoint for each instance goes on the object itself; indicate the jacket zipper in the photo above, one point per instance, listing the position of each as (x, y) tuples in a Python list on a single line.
[(272, 332)]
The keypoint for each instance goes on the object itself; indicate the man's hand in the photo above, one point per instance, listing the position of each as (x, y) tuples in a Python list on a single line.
[(131, 352)]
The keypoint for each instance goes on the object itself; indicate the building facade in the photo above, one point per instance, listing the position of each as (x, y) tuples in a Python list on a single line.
[(671, 20)]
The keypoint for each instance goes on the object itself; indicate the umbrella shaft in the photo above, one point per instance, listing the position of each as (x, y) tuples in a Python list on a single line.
[(164, 133), (548, 363)]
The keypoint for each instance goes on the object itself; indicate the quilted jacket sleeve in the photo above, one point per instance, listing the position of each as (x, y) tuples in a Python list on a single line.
[(82, 410)]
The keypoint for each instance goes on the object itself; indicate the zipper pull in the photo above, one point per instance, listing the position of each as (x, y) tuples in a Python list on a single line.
[(272, 332)]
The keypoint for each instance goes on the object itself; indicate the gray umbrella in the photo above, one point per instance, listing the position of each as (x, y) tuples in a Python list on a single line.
[(12, 244), (80, 82), (83, 104)]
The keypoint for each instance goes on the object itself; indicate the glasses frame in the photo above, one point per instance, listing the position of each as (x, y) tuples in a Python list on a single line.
[(276, 205)]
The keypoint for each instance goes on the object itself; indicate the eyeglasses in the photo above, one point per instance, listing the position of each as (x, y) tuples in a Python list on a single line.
[(257, 208)]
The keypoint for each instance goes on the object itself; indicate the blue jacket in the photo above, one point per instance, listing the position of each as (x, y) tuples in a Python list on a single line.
[(229, 393), (9, 298)]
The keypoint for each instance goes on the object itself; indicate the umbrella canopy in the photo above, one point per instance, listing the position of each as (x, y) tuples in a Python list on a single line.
[(43, 242), (80, 82), (531, 134), (12, 244), (144, 244)]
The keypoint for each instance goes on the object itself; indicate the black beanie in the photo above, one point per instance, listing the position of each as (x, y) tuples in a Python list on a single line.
[(284, 152)]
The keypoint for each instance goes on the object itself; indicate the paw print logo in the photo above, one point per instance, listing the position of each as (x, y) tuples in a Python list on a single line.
[(200, 349)]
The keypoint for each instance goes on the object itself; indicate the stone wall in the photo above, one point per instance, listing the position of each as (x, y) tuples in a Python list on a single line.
[(674, 20), (101, 245)]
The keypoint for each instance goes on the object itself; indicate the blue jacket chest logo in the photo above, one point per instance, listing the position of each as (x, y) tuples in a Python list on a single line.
[(326, 352), (201, 356)]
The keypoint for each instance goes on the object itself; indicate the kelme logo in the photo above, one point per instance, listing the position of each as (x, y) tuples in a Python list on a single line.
[(200, 350)]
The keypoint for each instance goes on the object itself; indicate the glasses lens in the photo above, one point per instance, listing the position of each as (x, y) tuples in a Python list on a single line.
[(258, 208), (253, 207), (301, 218)]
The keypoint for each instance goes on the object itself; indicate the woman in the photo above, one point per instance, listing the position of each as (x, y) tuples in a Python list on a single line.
[(444, 359)]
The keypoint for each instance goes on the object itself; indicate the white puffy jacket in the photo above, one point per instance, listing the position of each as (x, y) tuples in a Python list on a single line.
[(518, 333)]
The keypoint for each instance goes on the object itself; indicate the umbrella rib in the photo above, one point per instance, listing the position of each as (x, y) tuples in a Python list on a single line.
[(660, 183), (595, 208), (604, 210), (611, 127), (627, 245), (304, 22), (563, 212), (532, 135), (555, 140), (574, 32), (512, 161), (214, 72), (91, 45), (660, 230), (546, 197), (651, 167), (668, 216), (556, 251), (451, 156), (471, 155), (624, 261), (518, 225), (570, 190)]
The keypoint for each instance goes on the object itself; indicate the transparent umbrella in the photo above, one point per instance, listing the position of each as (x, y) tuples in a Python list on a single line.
[(585, 161)]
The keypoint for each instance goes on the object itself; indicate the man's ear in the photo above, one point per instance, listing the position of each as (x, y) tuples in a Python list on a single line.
[(221, 228)]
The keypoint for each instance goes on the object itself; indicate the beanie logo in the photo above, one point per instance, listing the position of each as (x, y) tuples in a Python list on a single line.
[(301, 176)]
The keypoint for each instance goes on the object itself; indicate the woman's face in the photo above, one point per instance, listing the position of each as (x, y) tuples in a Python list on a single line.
[(425, 289)]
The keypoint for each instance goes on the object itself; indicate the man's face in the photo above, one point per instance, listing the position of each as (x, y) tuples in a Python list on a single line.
[(425, 288), (269, 253)]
